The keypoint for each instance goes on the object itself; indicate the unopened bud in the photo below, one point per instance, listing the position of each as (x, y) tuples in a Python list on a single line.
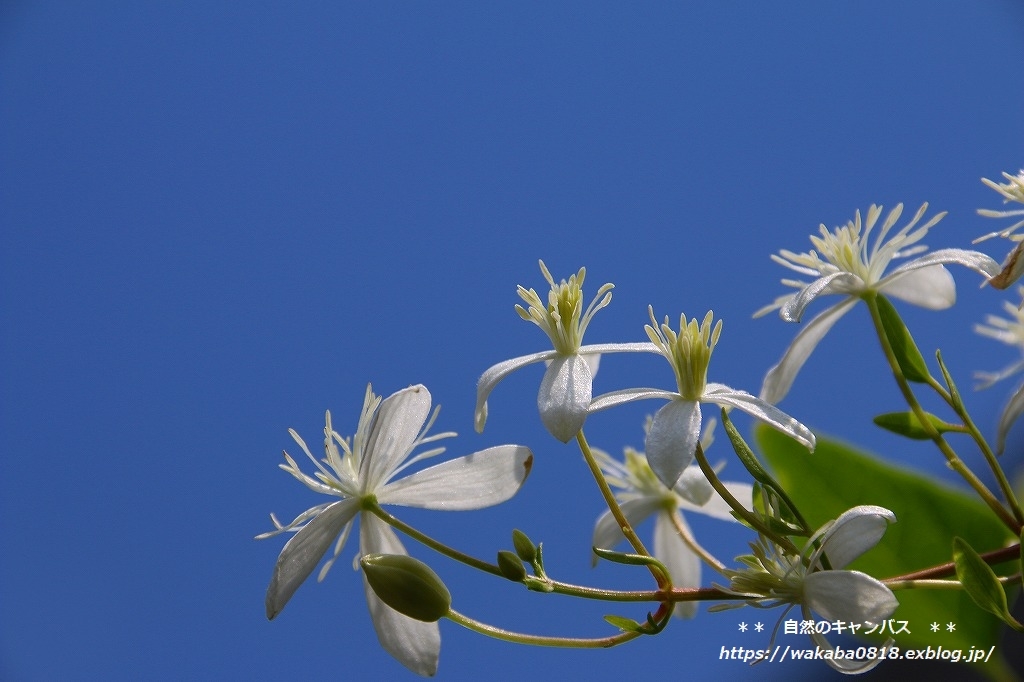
[(524, 546), (511, 566), (407, 585)]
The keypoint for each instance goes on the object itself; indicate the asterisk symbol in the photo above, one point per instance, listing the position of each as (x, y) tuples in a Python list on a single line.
[(759, 626), (743, 627), (951, 626), (935, 627)]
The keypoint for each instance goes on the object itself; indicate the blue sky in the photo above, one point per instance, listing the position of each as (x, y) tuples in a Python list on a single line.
[(219, 220)]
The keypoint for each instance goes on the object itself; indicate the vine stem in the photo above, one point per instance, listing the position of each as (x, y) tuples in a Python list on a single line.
[(952, 458), (634, 540), (540, 640)]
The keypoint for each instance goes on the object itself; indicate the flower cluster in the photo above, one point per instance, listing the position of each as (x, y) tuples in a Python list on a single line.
[(381, 464), (774, 577)]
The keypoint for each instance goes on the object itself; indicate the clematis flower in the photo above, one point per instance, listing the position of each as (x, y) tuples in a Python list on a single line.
[(641, 494), (849, 267), (364, 471), (773, 577), (567, 386), (1009, 330), (1013, 266), (675, 431)]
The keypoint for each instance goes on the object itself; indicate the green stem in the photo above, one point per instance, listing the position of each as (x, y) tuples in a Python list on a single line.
[(555, 585), (430, 542), (952, 458), (687, 537), (541, 640), (752, 519), (972, 430), (616, 510)]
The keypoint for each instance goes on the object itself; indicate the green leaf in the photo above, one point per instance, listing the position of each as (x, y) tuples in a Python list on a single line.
[(907, 424), (624, 624), (910, 360), (981, 583), (837, 477)]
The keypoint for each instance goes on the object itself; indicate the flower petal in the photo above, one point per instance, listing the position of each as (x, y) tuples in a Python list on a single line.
[(780, 377), (607, 533), (847, 666), (564, 396), (415, 644), (672, 439), (303, 552), (717, 508), (721, 394), (693, 486), (475, 481), (496, 373), (931, 287), (681, 561), (1013, 409), (628, 395), (853, 533), (981, 263), (835, 283), (394, 430), (850, 596)]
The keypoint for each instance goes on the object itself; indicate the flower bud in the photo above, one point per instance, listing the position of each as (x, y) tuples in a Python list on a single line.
[(511, 566), (407, 585), (525, 548)]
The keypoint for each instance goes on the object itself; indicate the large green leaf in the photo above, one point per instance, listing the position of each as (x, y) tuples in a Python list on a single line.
[(836, 477)]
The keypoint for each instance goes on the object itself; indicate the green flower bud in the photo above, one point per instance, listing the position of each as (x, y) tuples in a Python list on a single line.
[(511, 566), (525, 548), (407, 585)]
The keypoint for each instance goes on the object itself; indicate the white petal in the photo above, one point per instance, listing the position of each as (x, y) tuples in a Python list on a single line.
[(564, 396), (836, 283), (855, 531), (846, 666), (673, 438), (932, 287), (496, 373), (628, 395), (304, 550), (975, 260), (682, 563), (721, 394), (607, 533), (717, 508), (394, 429), (414, 643), (475, 481), (635, 347), (780, 377), (850, 596), (1013, 409), (693, 486)]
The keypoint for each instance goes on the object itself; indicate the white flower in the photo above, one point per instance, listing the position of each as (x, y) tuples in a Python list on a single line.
[(1013, 266), (847, 266), (773, 577), (675, 431), (567, 386), (387, 434), (641, 494), (1009, 330)]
